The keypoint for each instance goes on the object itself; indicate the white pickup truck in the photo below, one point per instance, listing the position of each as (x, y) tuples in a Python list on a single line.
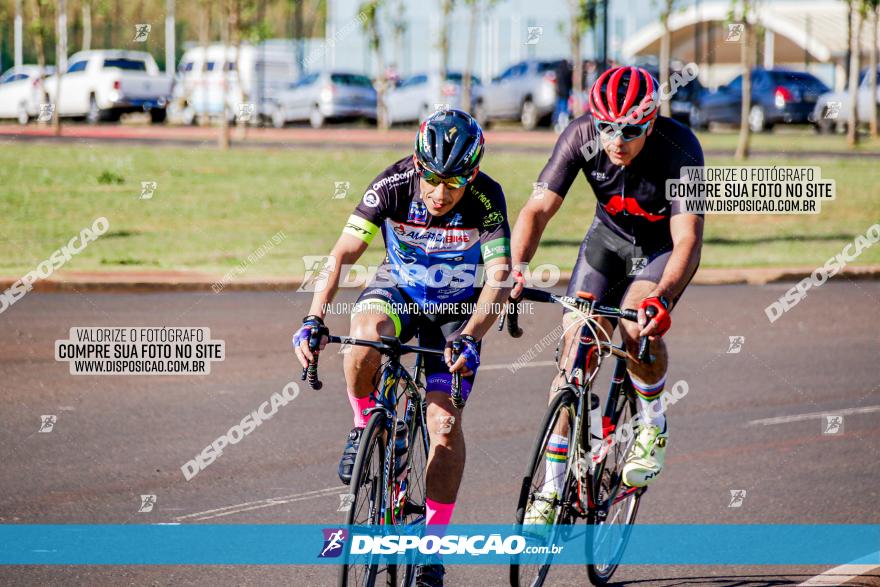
[(103, 85)]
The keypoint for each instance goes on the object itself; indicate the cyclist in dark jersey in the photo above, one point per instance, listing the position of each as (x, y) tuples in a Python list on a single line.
[(441, 220), (640, 251)]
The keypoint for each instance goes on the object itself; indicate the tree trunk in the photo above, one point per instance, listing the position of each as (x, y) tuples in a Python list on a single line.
[(665, 41), (466, 86), (19, 33), (746, 52), (40, 41), (60, 58), (577, 64), (872, 71), (852, 128), (87, 25), (170, 38), (226, 26), (443, 44), (381, 82), (204, 32)]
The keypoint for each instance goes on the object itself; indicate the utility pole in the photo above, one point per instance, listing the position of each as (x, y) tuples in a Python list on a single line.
[(18, 30)]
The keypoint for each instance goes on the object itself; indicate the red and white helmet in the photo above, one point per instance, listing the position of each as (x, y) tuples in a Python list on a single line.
[(625, 95)]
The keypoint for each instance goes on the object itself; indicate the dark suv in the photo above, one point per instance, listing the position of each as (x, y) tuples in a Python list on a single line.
[(778, 96)]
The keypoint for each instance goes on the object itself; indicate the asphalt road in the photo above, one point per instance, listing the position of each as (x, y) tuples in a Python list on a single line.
[(119, 437)]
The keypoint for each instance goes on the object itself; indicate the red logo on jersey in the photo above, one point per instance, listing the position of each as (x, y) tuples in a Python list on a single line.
[(618, 204)]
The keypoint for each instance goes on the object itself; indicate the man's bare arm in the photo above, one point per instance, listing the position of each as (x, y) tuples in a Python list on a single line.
[(530, 225)]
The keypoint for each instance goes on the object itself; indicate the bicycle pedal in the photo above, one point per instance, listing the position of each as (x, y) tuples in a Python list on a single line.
[(410, 508)]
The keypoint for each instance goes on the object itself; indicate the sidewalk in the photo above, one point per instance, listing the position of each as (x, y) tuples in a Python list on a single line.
[(144, 281)]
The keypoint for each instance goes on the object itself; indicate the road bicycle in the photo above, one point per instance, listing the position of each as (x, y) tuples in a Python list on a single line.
[(388, 484), (592, 488)]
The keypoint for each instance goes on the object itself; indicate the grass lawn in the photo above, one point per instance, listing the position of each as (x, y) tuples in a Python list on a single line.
[(212, 209)]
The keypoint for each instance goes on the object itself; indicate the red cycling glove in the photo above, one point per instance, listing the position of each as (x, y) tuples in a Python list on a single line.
[(662, 318)]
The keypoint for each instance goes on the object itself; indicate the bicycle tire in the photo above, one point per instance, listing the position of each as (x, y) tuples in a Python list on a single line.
[(370, 453), (419, 445), (563, 400), (601, 574)]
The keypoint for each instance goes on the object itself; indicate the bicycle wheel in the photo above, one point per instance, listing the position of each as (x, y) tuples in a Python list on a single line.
[(611, 534), (367, 487), (533, 481), (413, 508)]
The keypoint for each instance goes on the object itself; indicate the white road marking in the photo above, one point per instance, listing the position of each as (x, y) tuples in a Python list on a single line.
[(258, 504), (813, 416), (516, 367), (839, 575)]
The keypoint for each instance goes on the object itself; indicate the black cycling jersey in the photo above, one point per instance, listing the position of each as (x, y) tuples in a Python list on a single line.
[(632, 199)]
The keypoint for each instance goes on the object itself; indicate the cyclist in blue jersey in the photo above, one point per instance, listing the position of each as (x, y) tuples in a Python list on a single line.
[(641, 250), (444, 223)]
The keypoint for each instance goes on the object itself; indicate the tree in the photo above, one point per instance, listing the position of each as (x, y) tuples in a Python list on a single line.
[(370, 23), (38, 29), (746, 57), (855, 46), (87, 24), (582, 17), (874, 9), (60, 58), (665, 41), (446, 7)]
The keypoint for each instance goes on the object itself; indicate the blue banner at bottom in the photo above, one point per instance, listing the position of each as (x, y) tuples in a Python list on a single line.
[(248, 544)]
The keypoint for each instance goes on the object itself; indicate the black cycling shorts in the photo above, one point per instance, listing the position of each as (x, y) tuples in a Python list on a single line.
[(608, 264), (434, 330)]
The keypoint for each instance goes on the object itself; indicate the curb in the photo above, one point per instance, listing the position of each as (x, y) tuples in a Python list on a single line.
[(184, 281)]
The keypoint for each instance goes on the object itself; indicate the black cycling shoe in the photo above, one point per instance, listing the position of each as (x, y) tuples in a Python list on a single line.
[(429, 575), (349, 453)]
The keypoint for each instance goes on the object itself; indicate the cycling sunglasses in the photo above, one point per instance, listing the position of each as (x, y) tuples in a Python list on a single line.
[(629, 132), (455, 182)]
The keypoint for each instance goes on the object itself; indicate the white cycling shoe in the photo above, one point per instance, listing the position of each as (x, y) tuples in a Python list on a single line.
[(646, 456), (542, 510)]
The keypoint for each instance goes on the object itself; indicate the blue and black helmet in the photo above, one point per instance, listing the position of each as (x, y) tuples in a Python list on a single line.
[(450, 143)]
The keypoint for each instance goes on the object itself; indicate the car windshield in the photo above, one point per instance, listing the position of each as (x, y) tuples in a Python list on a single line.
[(547, 66), (348, 79), (458, 77), (803, 80), (126, 64)]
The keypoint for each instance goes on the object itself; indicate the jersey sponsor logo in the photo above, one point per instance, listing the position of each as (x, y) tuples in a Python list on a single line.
[(394, 179), (617, 204), (418, 213), (435, 239), (599, 175), (456, 220), (355, 228), (493, 219), (371, 199)]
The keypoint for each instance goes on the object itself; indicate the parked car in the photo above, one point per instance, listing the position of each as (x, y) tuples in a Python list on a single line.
[(524, 91), (832, 109), (103, 85), (325, 95), (415, 97), (685, 98), (21, 92), (263, 71), (778, 96)]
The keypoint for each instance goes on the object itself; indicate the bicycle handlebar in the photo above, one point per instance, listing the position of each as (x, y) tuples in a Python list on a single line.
[(536, 295)]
